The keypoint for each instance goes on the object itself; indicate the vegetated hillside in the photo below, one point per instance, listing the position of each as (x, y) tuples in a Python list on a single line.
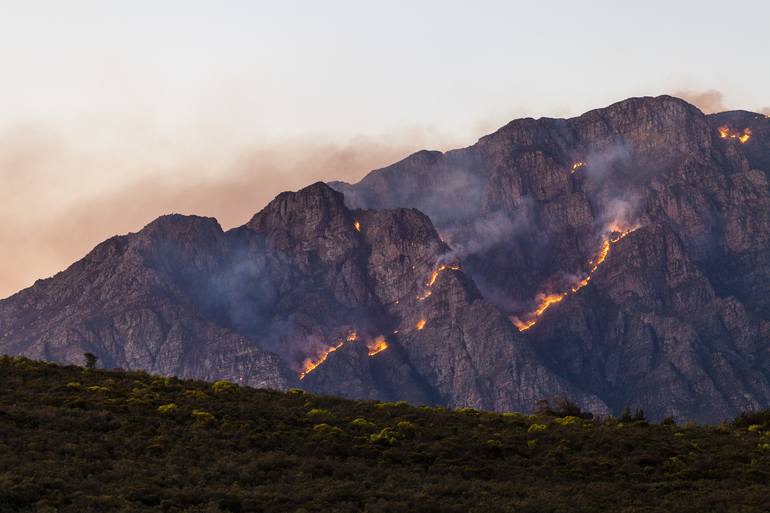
[(79, 440)]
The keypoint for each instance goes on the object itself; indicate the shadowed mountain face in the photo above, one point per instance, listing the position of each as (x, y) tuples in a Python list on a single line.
[(630, 245), (621, 258), (308, 293)]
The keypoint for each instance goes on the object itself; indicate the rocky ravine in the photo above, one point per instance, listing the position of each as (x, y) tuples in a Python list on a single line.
[(618, 258)]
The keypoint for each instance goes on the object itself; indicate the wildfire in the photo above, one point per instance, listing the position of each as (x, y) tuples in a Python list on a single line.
[(425, 295), (438, 270), (420, 324), (727, 133), (434, 276), (547, 300), (310, 364), (577, 165), (378, 345), (357, 225)]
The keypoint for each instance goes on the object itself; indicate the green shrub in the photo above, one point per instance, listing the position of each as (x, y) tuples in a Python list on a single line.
[(361, 422), (326, 428), (223, 386), (167, 408), (405, 426), (196, 394), (385, 437), (537, 427), (397, 404), (319, 412), (202, 416)]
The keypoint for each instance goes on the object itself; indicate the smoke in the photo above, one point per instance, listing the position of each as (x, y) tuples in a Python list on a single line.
[(58, 198), (488, 231), (710, 101)]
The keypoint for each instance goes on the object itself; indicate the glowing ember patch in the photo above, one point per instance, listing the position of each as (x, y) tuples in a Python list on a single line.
[(357, 225), (545, 301), (424, 296), (440, 269), (377, 345), (352, 336), (742, 137), (577, 165), (420, 324), (309, 365)]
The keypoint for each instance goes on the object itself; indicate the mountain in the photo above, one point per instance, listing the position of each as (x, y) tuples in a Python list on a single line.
[(619, 258), (307, 293), (672, 203)]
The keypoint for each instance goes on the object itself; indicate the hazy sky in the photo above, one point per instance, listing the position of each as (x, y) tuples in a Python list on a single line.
[(112, 113)]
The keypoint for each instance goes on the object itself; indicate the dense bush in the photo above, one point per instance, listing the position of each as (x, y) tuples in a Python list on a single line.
[(87, 440)]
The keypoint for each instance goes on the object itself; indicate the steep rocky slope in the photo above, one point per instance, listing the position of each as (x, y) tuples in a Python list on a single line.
[(672, 205), (620, 258), (306, 293)]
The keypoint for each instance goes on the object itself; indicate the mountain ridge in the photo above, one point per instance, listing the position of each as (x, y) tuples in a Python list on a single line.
[(433, 259)]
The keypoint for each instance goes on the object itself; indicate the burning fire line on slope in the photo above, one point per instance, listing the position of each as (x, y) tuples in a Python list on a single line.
[(310, 364), (576, 166), (374, 346), (549, 300), (357, 225), (726, 133), (434, 276)]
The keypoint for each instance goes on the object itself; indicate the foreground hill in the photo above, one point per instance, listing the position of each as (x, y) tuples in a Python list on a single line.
[(77, 440)]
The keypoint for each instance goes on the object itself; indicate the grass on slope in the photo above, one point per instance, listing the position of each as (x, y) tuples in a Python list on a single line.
[(78, 440)]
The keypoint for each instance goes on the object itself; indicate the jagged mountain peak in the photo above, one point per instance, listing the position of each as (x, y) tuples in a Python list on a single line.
[(604, 258)]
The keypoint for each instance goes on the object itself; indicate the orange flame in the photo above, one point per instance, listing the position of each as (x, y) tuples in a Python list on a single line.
[(357, 225), (438, 270), (425, 295), (378, 345), (309, 365), (577, 165), (727, 133), (548, 300), (420, 324)]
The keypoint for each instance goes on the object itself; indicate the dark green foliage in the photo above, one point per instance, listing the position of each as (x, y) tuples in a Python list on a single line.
[(98, 441), (90, 360), (561, 407)]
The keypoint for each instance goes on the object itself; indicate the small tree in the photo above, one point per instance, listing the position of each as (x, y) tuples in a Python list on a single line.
[(90, 360)]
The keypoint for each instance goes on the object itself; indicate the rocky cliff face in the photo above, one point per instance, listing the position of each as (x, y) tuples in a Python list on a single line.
[(672, 205), (307, 293), (621, 258)]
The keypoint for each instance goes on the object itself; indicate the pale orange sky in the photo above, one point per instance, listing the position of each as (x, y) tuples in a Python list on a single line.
[(114, 113)]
